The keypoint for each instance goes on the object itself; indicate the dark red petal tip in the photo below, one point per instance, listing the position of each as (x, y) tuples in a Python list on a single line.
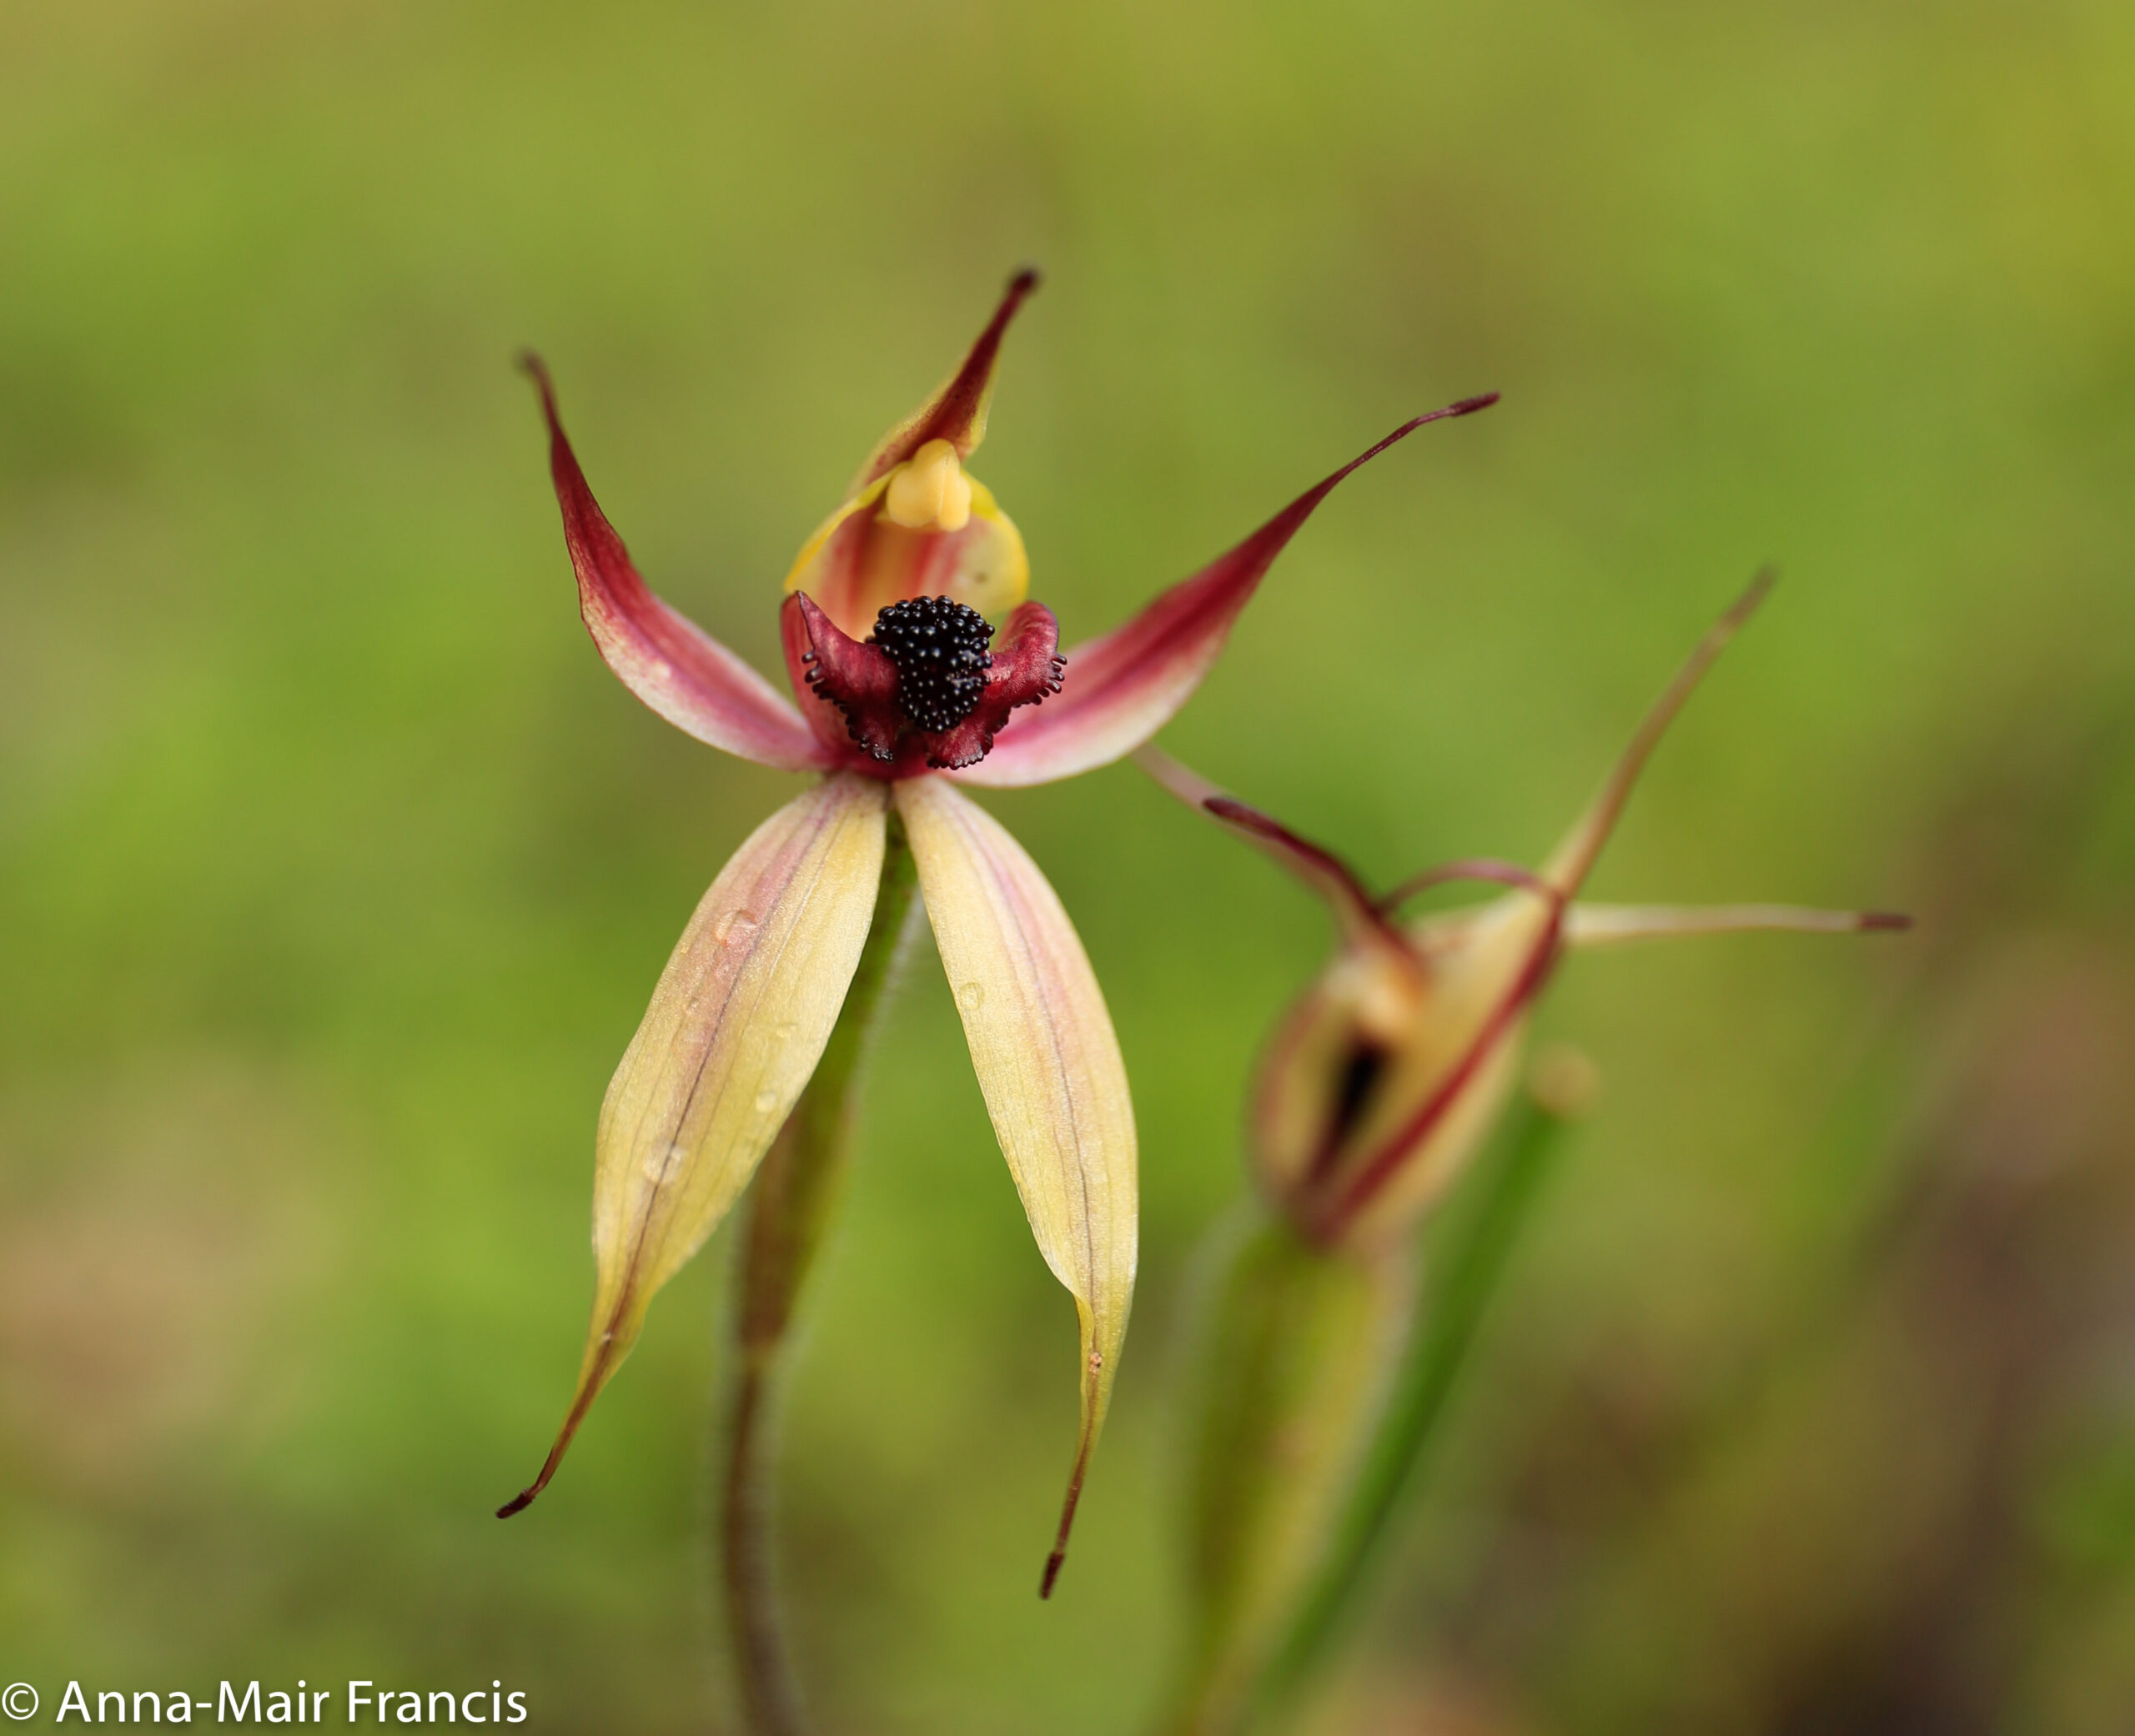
[(1128, 683), (674, 666), (1885, 921), (1317, 865), (953, 411), (956, 409)]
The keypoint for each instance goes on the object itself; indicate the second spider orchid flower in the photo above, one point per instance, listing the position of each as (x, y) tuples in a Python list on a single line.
[(901, 690), (1388, 1072), (1316, 1349)]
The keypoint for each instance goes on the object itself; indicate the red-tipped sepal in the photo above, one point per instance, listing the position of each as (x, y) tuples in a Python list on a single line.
[(957, 412), (676, 668), (1123, 687)]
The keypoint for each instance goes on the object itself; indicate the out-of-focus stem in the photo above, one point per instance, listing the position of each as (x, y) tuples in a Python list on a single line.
[(1469, 1263), (790, 1202)]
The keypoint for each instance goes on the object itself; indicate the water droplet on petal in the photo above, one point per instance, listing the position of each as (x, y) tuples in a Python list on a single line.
[(767, 1100), (659, 1163), (737, 928), (971, 996)]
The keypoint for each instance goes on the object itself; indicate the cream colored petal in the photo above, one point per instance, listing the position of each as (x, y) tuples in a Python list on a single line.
[(1049, 1066), (1606, 924), (736, 1027)]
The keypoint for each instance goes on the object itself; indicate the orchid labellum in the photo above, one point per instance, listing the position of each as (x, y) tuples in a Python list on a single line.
[(901, 690)]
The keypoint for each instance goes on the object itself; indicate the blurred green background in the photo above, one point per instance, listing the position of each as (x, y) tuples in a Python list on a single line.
[(335, 871)]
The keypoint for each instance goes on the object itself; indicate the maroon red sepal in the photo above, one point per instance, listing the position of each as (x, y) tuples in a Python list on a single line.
[(858, 680), (670, 663)]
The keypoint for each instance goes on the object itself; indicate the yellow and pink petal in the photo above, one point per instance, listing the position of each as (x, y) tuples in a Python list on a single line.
[(1049, 1068), (736, 1027)]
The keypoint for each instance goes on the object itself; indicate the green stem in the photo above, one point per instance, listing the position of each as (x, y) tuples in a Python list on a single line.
[(1470, 1264), (790, 1202)]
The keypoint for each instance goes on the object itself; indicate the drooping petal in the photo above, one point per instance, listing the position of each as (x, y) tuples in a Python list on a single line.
[(1574, 858), (676, 668), (1049, 1066), (1123, 687), (957, 413), (1398, 1056), (1495, 870), (1608, 925), (736, 1027)]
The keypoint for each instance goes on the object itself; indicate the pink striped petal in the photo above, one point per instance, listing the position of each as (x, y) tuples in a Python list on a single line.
[(675, 667), (735, 1029), (1121, 689), (1049, 1066)]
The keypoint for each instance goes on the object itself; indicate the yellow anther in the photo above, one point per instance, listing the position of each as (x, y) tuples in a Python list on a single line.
[(929, 491)]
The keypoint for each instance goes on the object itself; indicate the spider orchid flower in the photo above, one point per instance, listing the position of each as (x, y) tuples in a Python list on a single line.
[(900, 691), (1383, 1077)]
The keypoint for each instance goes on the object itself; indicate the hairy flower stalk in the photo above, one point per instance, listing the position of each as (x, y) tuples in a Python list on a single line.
[(1377, 1090), (916, 664)]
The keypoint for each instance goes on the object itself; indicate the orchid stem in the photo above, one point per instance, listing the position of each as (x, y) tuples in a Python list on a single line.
[(795, 1191), (1471, 1260)]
